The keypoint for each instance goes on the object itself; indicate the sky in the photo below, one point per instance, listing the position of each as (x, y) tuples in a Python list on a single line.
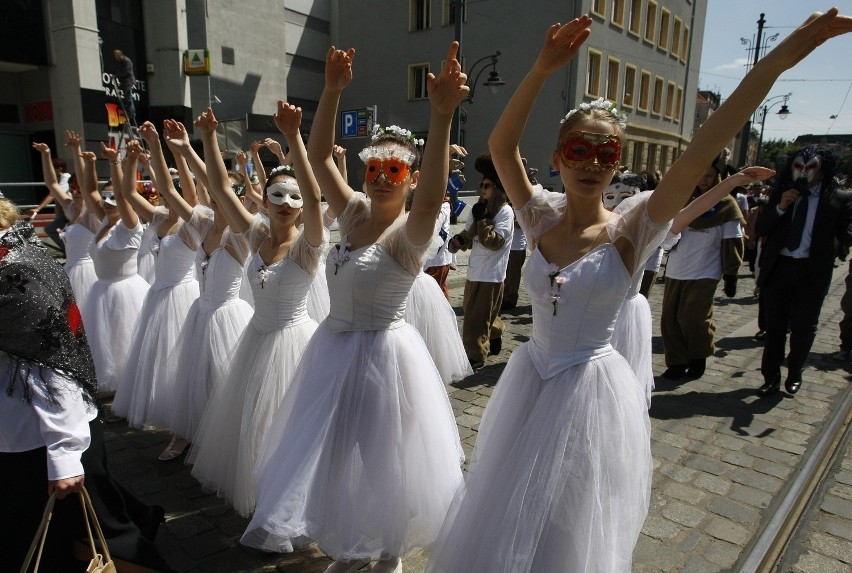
[(821, 84)]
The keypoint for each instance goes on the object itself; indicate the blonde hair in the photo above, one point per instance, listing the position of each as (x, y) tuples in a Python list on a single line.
[(9, 213), (594, 114)]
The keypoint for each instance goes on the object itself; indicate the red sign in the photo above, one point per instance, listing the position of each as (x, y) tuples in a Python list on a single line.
[(39, 111)]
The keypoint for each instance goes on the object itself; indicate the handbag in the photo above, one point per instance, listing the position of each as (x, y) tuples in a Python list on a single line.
[(100, 563)]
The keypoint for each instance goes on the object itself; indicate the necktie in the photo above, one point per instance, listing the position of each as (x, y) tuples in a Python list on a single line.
[(797, 227)]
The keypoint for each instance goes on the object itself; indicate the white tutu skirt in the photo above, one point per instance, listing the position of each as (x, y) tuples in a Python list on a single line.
[(241, 410), (428, 310), (144, 395), (363, 455), (560, 478), (632, 338), (82, 276), (110, 317), (201, 357)]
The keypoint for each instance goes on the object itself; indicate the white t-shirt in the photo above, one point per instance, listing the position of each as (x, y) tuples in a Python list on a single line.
[(487, 266), (519, 240), (698, 254), (442, 256)]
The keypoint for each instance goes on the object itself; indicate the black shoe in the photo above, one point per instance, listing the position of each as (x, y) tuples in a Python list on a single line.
[(476, 365), (696, 368), (793, 382), (494, 346), (760, 335), (770, 387), (676, 372)]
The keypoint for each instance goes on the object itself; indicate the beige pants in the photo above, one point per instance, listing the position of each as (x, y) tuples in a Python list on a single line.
[(481, 318), (687, 320)]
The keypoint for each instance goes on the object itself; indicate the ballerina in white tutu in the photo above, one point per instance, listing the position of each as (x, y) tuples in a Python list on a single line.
[(78, 234), (561, 472), (283, 266), (364, 456), (144, 395)]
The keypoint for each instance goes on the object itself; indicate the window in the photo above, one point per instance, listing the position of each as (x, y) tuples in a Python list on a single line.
[(419, 15), (644, 90), (635, 16), (417, 81), (684, 44), (678, 104), (593, 79), (629, 86), (676, 32), (612, 72), (651, 22), (670, 99), (599, 8), (657, 106), (448, 12), (665, 20), (618, 13)]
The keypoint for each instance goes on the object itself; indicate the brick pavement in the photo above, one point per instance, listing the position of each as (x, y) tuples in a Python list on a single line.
[(722, 457)]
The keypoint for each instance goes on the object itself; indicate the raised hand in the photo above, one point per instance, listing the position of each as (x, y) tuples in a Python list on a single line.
[(72, 139), (145, 160), (175, 135), (89, 156), (255, 146), (133, 150), (755, 174), (561, 44), (109, 153), (273, 145), (458, 150), (814, 31), (339, 151), (338, 68), (41, 148), (149, 133), (207, 121), (288, 118), (449, 88), (242, 159)]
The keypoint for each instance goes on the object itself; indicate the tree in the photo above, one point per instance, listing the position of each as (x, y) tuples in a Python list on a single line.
[(773, 153)]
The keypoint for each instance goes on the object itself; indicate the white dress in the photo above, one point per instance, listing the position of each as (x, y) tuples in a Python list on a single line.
[(114, 302), (632, 334), (363, 455), (146, 258), (561, 473), (144, 395), (244, 402), (429, 311), (211, 332), (78, 236)]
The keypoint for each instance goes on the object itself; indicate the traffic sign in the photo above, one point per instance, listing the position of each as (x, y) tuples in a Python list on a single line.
[(357, 122)]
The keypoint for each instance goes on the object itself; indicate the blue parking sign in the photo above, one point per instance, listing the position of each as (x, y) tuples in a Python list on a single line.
[(349, 123)]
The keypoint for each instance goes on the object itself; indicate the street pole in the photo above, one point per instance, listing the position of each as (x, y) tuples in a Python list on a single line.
[(746, 132), (455, 131)]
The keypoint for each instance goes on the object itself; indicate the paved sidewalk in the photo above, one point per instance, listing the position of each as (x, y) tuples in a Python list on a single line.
[(722, 457)]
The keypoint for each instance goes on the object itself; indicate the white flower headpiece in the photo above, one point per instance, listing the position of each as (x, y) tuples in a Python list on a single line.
[(379, 130), (387, 152), (603, 104)]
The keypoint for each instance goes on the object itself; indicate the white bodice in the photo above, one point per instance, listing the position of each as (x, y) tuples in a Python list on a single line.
[(219, 276), (174, 261), (368, 291), (280, 293), (115, 254), (77, 239)]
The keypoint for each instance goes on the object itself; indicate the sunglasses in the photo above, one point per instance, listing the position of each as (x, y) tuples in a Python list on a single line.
[(395, 170), (486, 185), (593, 151)]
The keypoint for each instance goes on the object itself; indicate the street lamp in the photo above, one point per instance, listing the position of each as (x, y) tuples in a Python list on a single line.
[(493, 82), (764, 109)]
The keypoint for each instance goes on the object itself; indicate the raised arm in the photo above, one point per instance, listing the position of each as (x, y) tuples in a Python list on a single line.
[(127, 185), (49, 174), (340, 158), (338, 75), (253, 190), (674, 189), (561, 44), (220, 190), (75, 144), (276, 149), (258, 164), (708, 200), (158, 162), (145, 162), (288, 118), (186, 159), (88, 181), (446, 92)]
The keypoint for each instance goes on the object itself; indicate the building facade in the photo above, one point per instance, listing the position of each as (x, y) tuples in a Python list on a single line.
[(643, 54)]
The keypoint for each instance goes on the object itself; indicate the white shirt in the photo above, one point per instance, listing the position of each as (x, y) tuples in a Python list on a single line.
[(519, 240), (698, 254), (443, 256), (804, 250), (63, 427), (485, 265)]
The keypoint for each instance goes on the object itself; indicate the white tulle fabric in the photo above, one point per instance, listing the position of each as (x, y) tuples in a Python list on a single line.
[(429, 311), (78, 237), (244, 401), (363, 455), (146, 256), (632, 333), (114, 302), (145, 395), (212, 330), (561, 474)]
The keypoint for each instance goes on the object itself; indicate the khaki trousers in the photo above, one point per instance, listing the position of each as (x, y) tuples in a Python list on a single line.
[(687, 320), (481, 318)]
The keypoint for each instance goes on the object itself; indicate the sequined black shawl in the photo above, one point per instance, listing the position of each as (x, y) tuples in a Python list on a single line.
[(40, 324)]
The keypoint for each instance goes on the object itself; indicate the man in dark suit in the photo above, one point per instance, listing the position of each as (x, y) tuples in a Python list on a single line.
[(804, 217)]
